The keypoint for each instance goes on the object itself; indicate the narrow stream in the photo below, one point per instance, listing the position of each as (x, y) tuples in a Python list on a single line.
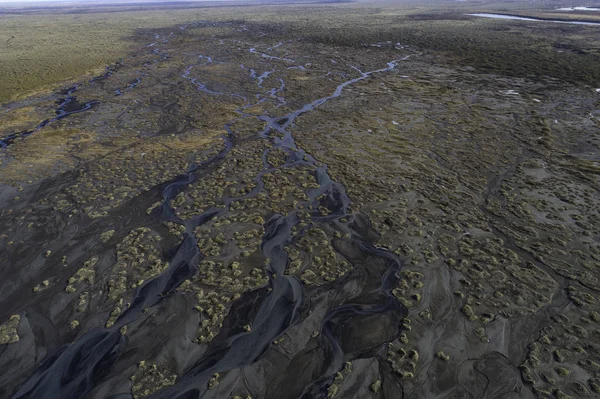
[(66, 106), (133, 84), (279, 310), (69, 104), (77, 368)]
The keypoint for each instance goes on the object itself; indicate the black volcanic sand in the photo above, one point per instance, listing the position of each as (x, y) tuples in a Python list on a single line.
[(241, 214)]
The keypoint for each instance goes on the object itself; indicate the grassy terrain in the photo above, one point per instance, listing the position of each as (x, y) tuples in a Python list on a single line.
[(514, 49), (43, 48)]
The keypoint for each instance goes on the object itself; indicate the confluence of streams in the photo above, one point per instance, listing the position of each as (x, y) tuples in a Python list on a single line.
[(76, 369)]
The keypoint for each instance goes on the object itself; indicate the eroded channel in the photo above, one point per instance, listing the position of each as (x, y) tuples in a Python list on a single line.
[(76, 369)]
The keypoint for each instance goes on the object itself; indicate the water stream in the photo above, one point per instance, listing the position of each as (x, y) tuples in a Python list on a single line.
[(77, 368), (66, 106)]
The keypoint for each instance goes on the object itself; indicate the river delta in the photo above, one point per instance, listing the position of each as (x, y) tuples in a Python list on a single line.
[(240, 208)]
